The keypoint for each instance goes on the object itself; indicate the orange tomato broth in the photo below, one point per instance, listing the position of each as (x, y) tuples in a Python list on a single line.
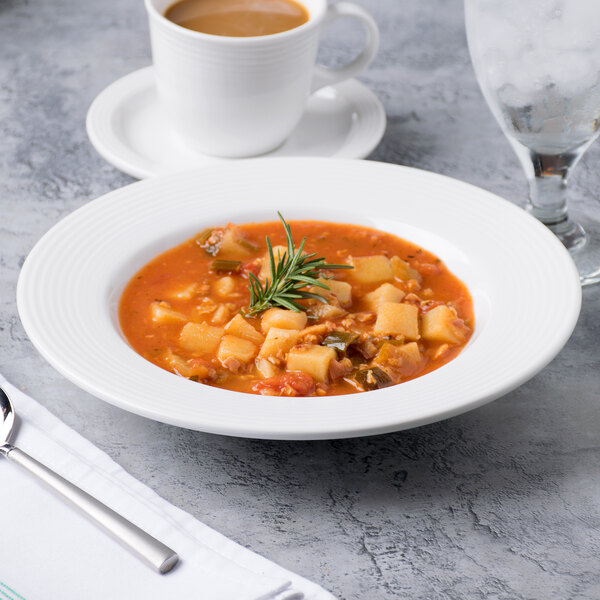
[(188, 263)]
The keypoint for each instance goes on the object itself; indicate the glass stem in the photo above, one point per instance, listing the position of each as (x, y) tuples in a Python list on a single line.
[(548, 195)]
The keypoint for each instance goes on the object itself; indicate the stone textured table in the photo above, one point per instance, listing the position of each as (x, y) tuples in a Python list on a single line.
[(500, 503)]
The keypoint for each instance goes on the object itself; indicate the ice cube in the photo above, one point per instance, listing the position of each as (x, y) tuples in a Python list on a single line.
[(573, 73)]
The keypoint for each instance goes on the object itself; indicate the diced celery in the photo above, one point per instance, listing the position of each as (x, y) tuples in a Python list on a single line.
[(226, 266)]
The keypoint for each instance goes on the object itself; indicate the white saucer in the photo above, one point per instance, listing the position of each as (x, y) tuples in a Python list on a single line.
[(126, 126)]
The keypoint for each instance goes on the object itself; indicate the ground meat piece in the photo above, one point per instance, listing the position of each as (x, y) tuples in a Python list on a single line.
[(212, 244), (412, 298), (252, 267), (440, 351), (205, 306), (232, 364), (277, 359), (316, 333), (365, 317), (339, 368), (367, 348), (427, 268), (288, 384), (203, 370), (427, 305), (221, 315), (412, 285)]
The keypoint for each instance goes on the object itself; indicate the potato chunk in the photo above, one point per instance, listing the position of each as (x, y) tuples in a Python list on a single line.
[(163, 313), (265, 368), (231, 246), (402, 270), (386, 292), (196, 367), (200, 337), (397, 319), (178, 364), (326, 311), (185, 293), (412, 352), (282, 319), (224, 286), (278, 340), (311, 359), (221, 315), (442, 324), (237, 348), (371, 269), (400, 361), (342, 290), (265, 270), (240, 327)]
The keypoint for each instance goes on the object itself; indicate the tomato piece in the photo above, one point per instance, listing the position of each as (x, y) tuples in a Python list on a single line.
[(288, 384), (251, 267), (427, 269)]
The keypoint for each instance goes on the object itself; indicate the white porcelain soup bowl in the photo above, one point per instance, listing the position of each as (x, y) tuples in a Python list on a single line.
[(70, 286)]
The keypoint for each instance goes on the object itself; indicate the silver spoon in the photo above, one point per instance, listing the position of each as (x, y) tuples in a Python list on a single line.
[(149, 549)]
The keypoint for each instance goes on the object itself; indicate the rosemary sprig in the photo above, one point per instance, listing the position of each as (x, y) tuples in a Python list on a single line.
[(290, 274)]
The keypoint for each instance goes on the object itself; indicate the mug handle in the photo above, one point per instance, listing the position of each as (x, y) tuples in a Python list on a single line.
[(324, 76)]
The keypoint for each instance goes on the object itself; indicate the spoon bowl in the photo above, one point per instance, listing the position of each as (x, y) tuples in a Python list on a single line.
[(149, 549), (7, 415)]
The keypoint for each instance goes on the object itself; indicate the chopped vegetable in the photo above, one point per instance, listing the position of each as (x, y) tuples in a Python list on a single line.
[(210, 240), (278, 341), (386, 292), (311, 359), (248, 245), (282, 319), (402, 270), (372, 269), (399, 361), (441, 324), (396, 318), (233, 347), (240, 327), (226, 266), (224, 286), (203, 236), (372, 379), (163, 313), (200, 337), (340, 341), (233, 245)]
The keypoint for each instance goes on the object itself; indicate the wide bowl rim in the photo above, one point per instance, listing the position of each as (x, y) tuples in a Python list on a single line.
[(37, 286)]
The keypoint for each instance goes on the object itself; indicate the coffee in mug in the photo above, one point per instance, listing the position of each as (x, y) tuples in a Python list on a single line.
[(242, 95), (238, 18)]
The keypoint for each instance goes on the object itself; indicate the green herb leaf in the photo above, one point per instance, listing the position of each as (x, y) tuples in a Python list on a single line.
[(290, 273)]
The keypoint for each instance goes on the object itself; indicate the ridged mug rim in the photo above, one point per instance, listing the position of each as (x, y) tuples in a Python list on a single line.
[(314, 18)]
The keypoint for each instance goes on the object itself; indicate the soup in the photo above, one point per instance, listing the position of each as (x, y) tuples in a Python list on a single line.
[(368, 311), (238, 18)]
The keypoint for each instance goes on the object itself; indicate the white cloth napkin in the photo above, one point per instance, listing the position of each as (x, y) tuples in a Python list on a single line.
[(49, 551)]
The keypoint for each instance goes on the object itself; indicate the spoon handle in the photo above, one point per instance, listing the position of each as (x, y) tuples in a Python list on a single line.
[(149, 549)]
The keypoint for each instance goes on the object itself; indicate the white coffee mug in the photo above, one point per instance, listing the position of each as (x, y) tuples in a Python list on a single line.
[(243, 96)]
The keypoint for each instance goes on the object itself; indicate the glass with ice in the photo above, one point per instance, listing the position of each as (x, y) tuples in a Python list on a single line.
[(538, 65)]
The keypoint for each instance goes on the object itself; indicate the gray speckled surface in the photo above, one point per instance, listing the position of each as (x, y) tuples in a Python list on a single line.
[(500, 503)]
